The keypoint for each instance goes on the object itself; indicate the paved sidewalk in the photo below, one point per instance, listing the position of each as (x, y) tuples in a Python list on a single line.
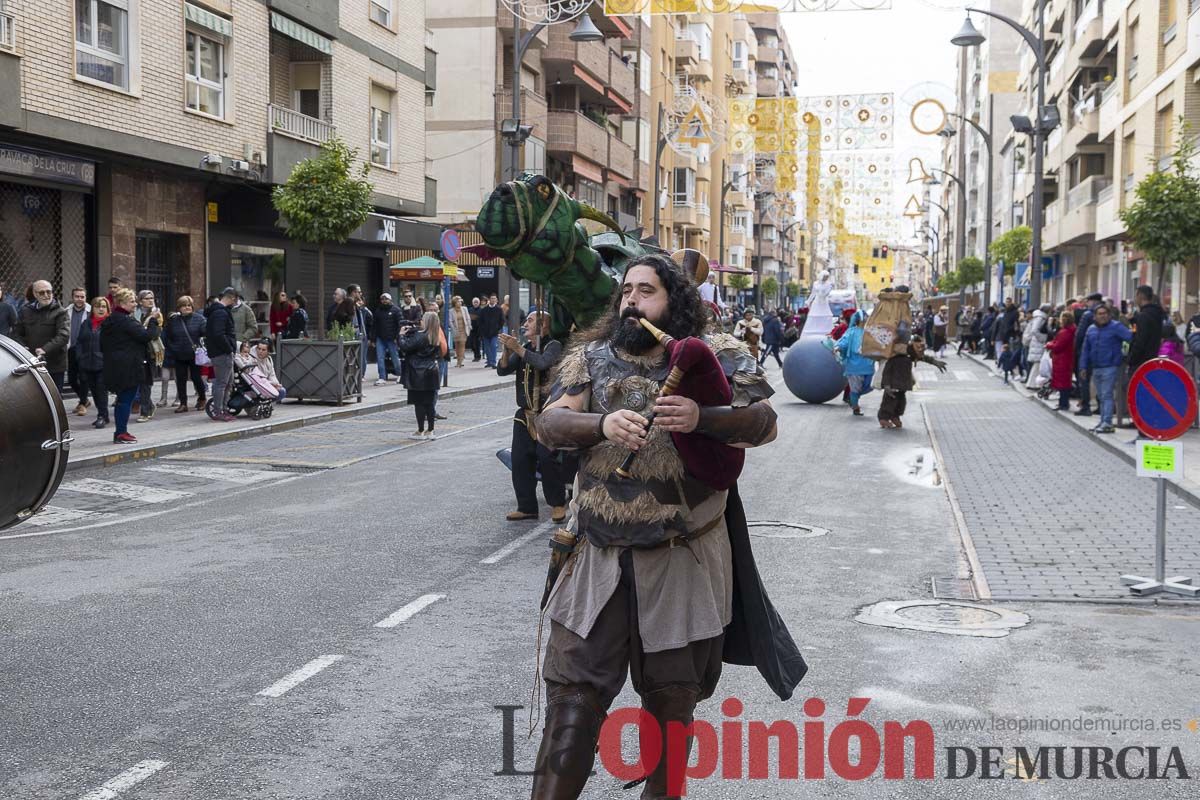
[(169, 432), (1121, 442), (1052, 513)]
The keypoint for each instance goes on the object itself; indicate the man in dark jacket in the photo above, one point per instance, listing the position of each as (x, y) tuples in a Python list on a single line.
[(1007, 325), (985, 331), (77, 313), (491, 321), (473, 338), (220, 339), (1192, 336), (388, 321), (8, 314), (772, 338), (44, 327), (532, 364), (1085, 322), (1148, 326)]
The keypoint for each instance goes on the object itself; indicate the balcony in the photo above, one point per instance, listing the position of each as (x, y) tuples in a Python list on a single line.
[(741, 77), (620, 157), (569, 132), (533, 109), (592, 56), (736, 199), (1110, 111), (737, 238), (768, 55), (621, 77), (1110, 17), (1085, 123), (685, 213), (1087, 37), (768, 87), (1079, 221), (643, 175), (687, 52), (299, 126), (1108, 224)]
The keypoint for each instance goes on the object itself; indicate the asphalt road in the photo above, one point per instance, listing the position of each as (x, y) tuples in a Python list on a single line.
[(223, 640)]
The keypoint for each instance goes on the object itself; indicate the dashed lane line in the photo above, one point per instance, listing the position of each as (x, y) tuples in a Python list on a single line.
[(57, 515), (294, 679), (409, 611), (518, 543), (123, 491), (126, 780)]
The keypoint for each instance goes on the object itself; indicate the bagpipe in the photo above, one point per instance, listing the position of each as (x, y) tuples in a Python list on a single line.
[(695, 373)]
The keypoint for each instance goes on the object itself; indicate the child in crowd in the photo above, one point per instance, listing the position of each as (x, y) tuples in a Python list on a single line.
[(898, 381), (1172, 346), (1010, 359)]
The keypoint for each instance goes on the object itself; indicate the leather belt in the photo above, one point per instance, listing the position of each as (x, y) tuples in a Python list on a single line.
[(685, 539)]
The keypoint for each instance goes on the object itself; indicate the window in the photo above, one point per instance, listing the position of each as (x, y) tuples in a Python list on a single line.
[(535, 156), (306, 88), (703, 35), (644, 141), (737, 256), (685, 187), (102, 41), (590, 192), (204, 70), (381, 126), (644, 71), (741, 222), (739, 54), (381, 12)]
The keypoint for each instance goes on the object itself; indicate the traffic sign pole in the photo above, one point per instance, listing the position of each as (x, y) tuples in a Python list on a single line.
[(1162, 402)]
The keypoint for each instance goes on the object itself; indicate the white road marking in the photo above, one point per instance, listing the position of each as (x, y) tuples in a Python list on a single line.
[(218, 473), (409, 611), (963, 375), (121, 519), (518, 543), (123, 491), (294, 679), (927, 376), (56, 515), (126, 780)]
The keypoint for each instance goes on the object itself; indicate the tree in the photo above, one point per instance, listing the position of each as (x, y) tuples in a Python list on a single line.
[(1164, 219), (970, 271), (768, 290), (948, 283), (1012, 246), (793, 289), (739, 282), (324, 200)]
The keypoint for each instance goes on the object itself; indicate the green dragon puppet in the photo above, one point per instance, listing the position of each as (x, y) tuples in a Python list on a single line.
[(535, 227)]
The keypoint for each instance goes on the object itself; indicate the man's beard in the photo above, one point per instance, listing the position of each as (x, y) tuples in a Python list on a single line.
[(629, 335)]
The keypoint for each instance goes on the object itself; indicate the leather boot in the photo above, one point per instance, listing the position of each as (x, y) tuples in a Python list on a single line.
[(668, 704), (568, 750)]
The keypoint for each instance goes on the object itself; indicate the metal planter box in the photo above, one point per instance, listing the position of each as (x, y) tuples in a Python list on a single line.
[(327, 371)]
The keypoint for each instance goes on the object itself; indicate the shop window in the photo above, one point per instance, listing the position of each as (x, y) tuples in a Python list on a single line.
[(204, 71), (381, 126), (102, 41), (258, 274)]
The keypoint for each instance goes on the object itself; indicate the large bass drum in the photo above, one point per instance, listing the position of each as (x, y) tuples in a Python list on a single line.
[(34, 435)]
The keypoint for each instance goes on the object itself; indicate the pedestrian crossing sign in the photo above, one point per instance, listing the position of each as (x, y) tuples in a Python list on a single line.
[(1022, 275)]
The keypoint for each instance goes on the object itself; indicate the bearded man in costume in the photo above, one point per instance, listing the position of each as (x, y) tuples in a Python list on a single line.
[(662, 583)]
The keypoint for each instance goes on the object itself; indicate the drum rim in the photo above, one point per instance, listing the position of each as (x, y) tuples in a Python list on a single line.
[(22, 354)]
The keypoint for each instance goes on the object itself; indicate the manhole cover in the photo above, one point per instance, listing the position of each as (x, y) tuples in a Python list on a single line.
[(939, 616), (769, 529)]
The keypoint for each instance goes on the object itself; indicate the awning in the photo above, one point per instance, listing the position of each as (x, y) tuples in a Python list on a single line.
[(422, 268), (294, 30), (616, 99), (581, 166), (588, 79), (207, 19)]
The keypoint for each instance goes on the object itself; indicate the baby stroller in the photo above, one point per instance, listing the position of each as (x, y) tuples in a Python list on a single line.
[(251, 393), (1042, 381)]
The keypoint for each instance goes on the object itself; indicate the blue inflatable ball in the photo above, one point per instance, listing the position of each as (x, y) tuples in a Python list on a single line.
[(812, 372)]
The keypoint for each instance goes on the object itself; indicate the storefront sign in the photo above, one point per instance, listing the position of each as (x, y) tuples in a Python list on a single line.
[(485, 272), (419, 274), (212, 212), (47, 166)]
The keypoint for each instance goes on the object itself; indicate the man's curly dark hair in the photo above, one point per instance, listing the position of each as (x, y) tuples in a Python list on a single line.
[(688, 314)]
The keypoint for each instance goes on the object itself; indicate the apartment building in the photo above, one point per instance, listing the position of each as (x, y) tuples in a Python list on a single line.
[(988, 95), (1122, 74), (586, 102), (141, 138)]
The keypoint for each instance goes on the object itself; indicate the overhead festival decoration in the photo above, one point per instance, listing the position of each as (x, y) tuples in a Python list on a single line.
[(547, 11), (851, 121), (616, 8), (693, 124)]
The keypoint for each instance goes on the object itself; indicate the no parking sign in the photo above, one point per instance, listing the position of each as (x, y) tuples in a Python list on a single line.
[(1162, 399)]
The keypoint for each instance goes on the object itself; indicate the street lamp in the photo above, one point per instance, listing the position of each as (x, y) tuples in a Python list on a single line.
[(987, 233), (726, 185), (969, 36), (515, 134)]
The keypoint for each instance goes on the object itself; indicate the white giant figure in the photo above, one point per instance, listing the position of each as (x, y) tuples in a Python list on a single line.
[(820, 316)]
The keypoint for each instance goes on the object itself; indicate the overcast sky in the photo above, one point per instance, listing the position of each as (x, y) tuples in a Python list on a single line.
[(904, 50)]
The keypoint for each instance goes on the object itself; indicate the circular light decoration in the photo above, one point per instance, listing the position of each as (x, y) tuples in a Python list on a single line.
[(549, 12), (872, 168), (928, 116), (752, 119), (878, 201), (808, 117), (833, 168), (863, 115)]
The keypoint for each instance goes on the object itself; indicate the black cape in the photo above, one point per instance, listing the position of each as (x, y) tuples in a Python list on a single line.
[(756, 635)]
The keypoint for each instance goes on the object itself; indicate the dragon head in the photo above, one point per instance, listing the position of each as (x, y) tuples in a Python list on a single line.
[(534, 218)]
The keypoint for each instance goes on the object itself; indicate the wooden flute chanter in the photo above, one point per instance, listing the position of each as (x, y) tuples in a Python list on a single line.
[(668, 388)]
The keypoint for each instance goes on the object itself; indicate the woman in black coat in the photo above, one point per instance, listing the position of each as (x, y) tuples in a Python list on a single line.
[(298, 322), (183, 334), (90, 360), (422, 374), (123, 342)]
